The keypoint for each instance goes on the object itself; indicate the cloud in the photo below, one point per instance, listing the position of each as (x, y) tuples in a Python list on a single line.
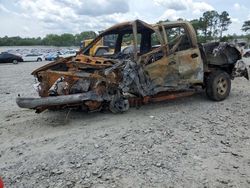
[(172, 4), (235, 20), (200, 7), (169, 14), (74, 16), (25, 29), (4, 9), (235, 26), (76, 8), (7, 11), (181, 5), (175, 9), (239, 7), (102, 7)]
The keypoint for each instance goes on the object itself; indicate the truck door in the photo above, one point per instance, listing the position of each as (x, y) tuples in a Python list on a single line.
[(161, 68), (185, 55)]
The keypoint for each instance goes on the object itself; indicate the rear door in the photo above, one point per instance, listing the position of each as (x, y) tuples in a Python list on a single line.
[(184, 54), (161, 68)]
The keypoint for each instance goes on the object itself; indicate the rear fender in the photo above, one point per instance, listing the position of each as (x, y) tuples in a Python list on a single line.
[(241, 69)]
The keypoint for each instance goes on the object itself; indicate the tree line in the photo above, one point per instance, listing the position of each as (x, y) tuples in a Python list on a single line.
[(65, 39), (210, 26)]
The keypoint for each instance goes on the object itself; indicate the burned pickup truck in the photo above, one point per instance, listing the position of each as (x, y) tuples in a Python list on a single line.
[(146, 63)]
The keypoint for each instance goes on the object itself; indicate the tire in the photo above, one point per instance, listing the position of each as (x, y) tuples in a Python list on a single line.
[(218, 86), (39, 59), (15, 61)]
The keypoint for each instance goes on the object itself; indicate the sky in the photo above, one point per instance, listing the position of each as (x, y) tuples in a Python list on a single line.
[(34, 18)]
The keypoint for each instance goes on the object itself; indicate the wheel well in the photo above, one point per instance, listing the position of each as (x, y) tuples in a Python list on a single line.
[(214, 68), (228, 68), (219, 56)]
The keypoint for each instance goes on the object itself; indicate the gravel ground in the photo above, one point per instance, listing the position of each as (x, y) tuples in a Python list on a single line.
[(189, 142)]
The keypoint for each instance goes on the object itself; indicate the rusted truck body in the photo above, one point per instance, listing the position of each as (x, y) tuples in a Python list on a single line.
[(162, 61)]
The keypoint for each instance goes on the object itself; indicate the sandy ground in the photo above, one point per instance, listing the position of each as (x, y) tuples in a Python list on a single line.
[(189, 142)]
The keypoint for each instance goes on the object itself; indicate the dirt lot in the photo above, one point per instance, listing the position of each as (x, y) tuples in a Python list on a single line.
[(190, 142)]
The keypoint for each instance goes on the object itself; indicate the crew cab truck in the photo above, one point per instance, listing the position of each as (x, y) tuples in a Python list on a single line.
[(162, 61)]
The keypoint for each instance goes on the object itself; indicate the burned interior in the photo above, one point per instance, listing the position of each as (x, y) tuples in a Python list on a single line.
[(141, 63)]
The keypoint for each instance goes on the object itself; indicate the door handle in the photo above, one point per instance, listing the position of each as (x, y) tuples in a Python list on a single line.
[(194, 55)]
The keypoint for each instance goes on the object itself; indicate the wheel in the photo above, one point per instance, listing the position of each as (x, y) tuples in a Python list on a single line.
[(218, 85), (15, 61), (39, 59)]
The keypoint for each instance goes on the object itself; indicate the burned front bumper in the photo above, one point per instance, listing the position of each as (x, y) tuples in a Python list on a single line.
[(52, 101)]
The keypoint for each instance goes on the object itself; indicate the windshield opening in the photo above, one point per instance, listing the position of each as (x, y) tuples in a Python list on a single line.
[(120, 42)]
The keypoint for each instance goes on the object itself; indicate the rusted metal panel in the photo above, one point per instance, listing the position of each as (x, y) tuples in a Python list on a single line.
[(163, 73), (190, 68)]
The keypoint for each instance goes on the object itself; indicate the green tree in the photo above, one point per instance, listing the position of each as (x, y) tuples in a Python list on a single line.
[(224, 22), (196, 25), (210, 25), (52, 39), (199, 28), (246, 26), (211, 20), (226, 38), (67, 39), (84, 36)]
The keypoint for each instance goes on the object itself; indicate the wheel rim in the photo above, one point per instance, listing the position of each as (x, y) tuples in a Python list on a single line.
[(222, 86), (14, 61)]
